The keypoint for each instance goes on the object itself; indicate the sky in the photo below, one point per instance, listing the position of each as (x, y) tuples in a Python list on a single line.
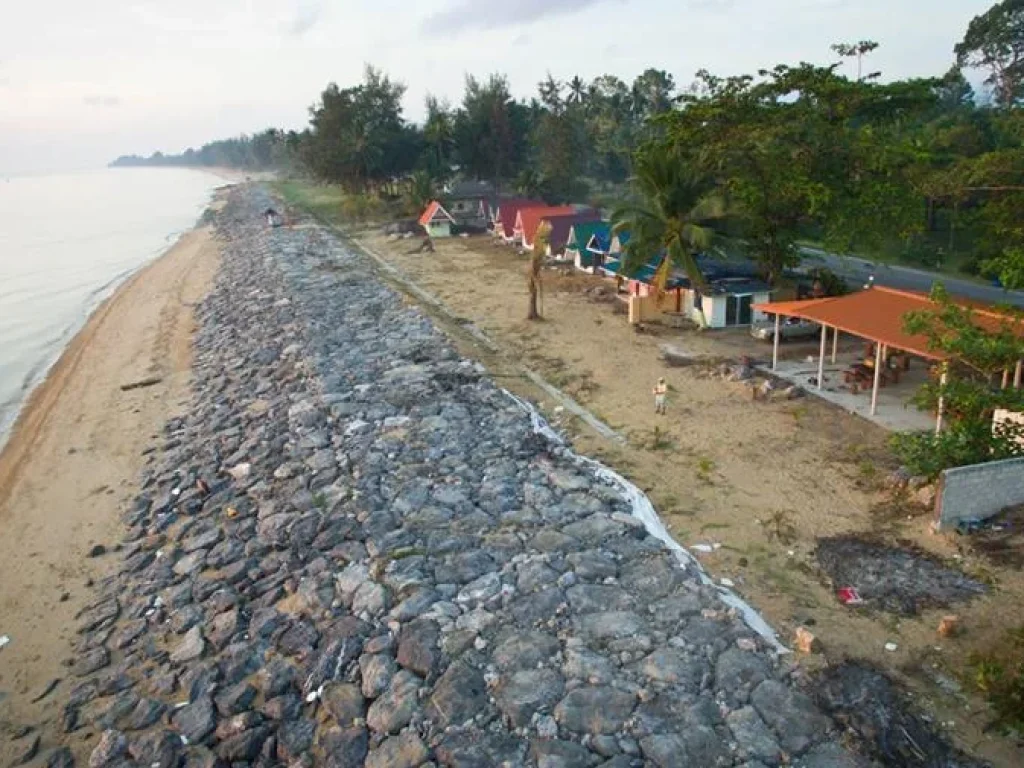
[(83, 82)]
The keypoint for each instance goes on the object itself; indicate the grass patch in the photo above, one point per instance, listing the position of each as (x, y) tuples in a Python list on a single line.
[(705, 466), (331, 203), (778, 526), (999, 675)]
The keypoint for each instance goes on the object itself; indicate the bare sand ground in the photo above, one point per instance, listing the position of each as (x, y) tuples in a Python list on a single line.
[(722, 469), (74, 456)]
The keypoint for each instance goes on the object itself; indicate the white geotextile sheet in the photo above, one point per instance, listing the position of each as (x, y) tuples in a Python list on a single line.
[(644, 511)]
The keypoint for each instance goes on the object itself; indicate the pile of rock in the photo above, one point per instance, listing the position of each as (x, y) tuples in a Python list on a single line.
[(405, 573)]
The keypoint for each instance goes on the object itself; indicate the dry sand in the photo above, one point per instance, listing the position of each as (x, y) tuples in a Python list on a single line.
[(75, 455), (728, 471)]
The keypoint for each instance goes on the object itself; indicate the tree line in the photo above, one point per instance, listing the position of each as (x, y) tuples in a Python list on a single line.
[(924, 169)]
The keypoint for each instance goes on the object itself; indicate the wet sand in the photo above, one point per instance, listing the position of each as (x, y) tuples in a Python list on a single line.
[(74, 459)]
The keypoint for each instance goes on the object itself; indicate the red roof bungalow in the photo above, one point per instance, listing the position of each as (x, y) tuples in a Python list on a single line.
[(528, 219), (436, 220), (503, 219)]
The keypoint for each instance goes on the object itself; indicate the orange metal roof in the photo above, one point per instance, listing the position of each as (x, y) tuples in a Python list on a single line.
[(432, 210), (528, 219), (877, 314)]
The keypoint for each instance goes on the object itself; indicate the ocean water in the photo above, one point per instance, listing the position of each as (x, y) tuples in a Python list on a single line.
[(66, 243)]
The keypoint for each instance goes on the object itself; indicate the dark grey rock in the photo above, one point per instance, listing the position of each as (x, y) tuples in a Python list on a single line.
[(755, 739), (418, 649), (60, 758), (146, 713), (525, 650), (670, 666), (344, 702), (404, 751), (244, 746), (195, 721), (376, 671), (525, 692), (156, 749), (190, 648), (344, 747), (90, 661), (396, 707), (792, 715), (459, 695), (112, 746), (294, 738), (595, 710), (235, 699)]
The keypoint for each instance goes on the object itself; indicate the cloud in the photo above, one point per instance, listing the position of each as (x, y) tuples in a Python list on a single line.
[(307, 15), (470, 14), (101, 101)]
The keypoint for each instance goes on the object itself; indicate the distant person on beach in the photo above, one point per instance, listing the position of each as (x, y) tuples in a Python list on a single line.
[(272, 218), (660, 393)]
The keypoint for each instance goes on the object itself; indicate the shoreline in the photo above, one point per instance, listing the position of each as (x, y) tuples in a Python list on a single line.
[(74, 453), (92, 303)]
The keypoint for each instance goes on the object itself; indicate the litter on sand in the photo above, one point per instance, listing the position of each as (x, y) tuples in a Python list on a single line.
[(849, 596), (891, 647), (4, 640)]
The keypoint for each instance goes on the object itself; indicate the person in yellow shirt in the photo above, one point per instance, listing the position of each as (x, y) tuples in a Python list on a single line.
[(660, 393)]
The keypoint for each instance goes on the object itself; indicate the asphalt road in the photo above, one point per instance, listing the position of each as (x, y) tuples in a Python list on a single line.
[(857, 271)]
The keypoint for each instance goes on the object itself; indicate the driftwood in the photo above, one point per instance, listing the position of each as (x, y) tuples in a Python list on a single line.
[(141, 383)]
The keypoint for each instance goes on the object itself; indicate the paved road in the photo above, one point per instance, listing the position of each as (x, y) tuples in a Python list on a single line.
[(856, 271)]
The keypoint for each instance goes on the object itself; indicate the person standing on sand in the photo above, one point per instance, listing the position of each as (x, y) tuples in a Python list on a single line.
[(660, 393)]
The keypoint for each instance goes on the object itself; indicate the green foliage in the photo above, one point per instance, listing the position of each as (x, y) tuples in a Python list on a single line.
[(964, 442), (829, 282), (1008, 268), (671, 220), (999, 675), (420, 191), (978, 353), (994, 42)]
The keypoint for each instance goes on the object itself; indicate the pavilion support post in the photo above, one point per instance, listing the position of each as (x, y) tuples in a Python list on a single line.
[(1006, 378), (821, 356), (1017, 374), (835, 344), (775, 343), (878, 378), (943, 379)]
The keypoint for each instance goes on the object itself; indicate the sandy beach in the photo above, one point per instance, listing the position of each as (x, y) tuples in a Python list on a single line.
[(74, 457)]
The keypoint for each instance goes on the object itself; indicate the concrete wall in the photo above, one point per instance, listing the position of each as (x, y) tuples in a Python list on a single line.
[(979, 491), (645, 309)]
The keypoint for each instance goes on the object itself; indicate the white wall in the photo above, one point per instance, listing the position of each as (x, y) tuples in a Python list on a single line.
[(761, 298), (714, 310)]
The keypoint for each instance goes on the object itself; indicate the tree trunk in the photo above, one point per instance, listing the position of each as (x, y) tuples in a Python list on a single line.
[(533, 314), (952, 227)]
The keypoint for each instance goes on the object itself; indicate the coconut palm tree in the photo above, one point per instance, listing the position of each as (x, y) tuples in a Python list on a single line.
[(577, 91), (533, 275), (439, 134), (670, 222)]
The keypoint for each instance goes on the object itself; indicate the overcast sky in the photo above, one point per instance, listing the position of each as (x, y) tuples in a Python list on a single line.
[(82, 81)]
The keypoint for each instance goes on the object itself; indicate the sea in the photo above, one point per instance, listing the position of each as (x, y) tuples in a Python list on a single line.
[(66, 243)]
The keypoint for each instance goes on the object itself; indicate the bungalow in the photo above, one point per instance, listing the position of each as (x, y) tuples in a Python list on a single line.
[(581, 236), (726, 302), (562, 226), (469, 203), (504, 213), (729, 301), (529, 219), (436, 220)]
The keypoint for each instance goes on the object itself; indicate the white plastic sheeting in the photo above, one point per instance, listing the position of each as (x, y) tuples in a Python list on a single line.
[(644, 511)]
